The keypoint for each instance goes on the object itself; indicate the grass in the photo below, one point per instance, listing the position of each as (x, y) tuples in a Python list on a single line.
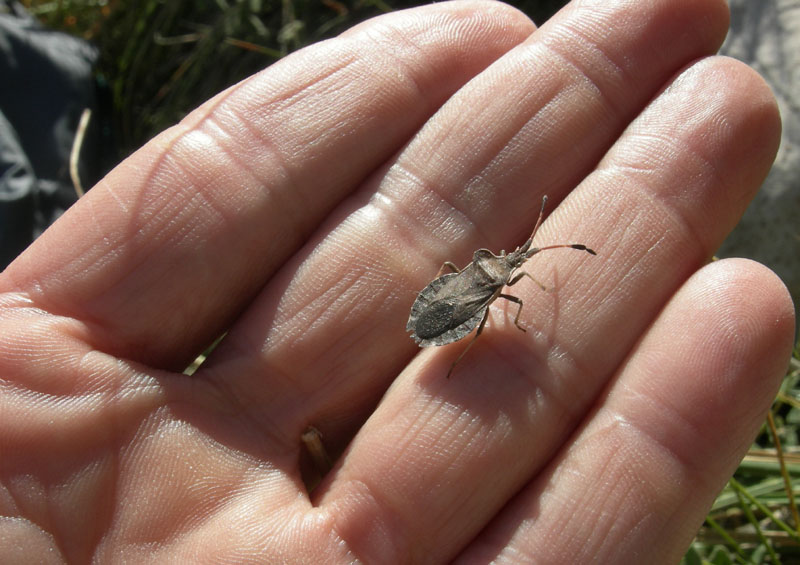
[(755, 517), (158, 60)]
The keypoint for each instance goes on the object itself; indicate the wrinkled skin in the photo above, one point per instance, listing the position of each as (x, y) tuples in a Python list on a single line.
[(304, 208)]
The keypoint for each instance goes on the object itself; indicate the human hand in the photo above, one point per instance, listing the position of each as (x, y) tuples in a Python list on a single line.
[(303, 209)]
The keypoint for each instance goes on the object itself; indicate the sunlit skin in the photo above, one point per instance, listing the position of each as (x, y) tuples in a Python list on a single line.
[(301, 212)]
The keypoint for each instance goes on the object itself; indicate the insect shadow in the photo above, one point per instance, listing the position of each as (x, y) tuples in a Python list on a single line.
[(454, 304)]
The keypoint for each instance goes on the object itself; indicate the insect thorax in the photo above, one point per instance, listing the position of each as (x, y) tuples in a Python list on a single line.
[(496, 269)]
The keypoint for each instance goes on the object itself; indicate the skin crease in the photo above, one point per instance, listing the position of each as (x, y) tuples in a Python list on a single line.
[(303, 209)]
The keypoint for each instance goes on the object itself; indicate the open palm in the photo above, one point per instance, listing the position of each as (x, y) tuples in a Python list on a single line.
[(303, 209)]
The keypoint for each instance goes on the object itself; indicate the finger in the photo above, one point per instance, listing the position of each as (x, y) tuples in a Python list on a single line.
[(641, 473), (329, 333), (164, 252), (661, 201)]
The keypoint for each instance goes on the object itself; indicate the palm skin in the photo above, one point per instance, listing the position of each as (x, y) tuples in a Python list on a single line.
[(302, 210)]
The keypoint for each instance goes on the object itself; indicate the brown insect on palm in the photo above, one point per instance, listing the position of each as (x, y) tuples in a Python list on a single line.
[(454, 304)]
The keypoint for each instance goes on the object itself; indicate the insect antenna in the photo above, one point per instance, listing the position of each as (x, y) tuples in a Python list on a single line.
[(578, 246), (533, 251), (541, 217)]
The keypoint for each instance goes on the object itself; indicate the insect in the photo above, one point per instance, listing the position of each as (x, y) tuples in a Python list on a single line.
[(453, 304)]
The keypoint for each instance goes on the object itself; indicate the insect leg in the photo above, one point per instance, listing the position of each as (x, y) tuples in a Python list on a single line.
[(477, 333), (519, 310), (450, 265), (521, 274)]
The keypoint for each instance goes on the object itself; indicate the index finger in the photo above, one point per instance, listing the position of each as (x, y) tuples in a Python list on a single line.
[(162, 254)]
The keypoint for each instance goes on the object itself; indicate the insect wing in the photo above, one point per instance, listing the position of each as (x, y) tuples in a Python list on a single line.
[(424, 298), (445, 311)]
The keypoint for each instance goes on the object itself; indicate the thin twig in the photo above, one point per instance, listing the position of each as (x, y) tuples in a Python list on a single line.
[(312, 439), (787, 481), (74, 155)]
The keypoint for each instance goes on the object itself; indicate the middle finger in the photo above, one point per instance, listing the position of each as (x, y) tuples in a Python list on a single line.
[(542, 116)]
